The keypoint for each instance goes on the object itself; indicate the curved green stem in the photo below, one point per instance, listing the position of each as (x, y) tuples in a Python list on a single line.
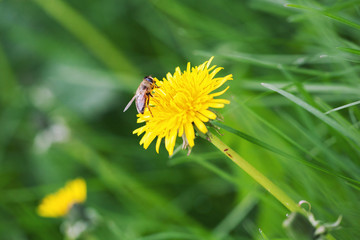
[(255, 174), (273, 189)]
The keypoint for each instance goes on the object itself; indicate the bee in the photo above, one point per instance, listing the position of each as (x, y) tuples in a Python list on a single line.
[(142, 95)]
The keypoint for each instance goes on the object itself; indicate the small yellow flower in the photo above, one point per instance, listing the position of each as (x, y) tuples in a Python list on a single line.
[(181, 102), (58, 204)]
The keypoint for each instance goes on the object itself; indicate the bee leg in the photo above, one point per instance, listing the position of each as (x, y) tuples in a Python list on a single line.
[(147, 104), (150, 110)]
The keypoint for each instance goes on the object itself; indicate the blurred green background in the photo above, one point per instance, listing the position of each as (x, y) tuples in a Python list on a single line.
[(68, 69)]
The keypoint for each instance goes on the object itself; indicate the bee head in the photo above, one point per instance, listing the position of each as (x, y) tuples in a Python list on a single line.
[(149, 79)]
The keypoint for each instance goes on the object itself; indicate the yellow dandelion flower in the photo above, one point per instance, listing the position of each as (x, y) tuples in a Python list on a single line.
[(58, 204), (180, 103)]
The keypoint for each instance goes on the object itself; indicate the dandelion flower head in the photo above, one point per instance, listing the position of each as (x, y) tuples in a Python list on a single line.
[(180, 104), (58, 204)]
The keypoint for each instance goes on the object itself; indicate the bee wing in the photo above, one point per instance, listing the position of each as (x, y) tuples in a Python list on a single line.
[(141, 103), (129, 104)]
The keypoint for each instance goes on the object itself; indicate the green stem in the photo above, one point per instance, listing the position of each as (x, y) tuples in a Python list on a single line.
[(274, 190), (255, 174)]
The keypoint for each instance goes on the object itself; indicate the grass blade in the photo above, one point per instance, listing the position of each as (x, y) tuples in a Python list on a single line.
[(284, 154), (342, 107), (253, 140), (327, 14), (329, 121), (252, 59), (349, 50)]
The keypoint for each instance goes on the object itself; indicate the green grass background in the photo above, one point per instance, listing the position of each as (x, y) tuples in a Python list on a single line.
[(68, 68)]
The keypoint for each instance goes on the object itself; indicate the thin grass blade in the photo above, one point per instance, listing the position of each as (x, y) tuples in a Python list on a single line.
[(329, 121), (327, 14), (349, 50), (342, 107)]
